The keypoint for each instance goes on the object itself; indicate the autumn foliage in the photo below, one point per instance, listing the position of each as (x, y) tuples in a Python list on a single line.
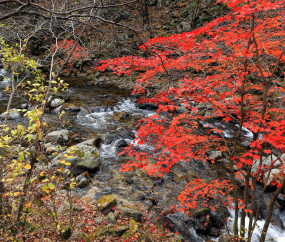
[(235, 65), (65, 47)]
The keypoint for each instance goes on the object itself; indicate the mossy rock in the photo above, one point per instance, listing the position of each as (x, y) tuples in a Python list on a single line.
[(133, 227), (104, 231), (120, 229), (131, 212), (200, 212), (106, 202)]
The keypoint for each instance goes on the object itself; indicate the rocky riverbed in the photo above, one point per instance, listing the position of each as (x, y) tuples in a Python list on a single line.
[(111, 113)]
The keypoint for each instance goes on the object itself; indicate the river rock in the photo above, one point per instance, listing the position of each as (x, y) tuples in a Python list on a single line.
[(182, 108), (104, 204), (274, 172), (147, 106), (121, 143), (266, 161), (214, 155), (82, 181), (58, 136), (13, 114), (85, 158), (57, 110), (111, 218), (50, 148), (131, 212), (56, 103), (24, 106)]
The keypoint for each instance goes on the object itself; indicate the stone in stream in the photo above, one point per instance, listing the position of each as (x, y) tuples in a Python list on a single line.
[(56, 103), (85, 157), (266, 161), (147, 106), (58, 136), (214, 155), (82, 181), (131, 212), (121, 143), (50, 149), (13, 114)]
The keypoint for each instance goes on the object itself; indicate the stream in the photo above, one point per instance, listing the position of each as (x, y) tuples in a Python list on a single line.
[(112, 114)]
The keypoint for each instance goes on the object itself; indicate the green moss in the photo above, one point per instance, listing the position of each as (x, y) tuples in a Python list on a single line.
[(133, 227), (202, 211), (106, 202), (104, 231)]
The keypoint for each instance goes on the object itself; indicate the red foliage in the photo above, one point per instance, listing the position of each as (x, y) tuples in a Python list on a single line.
[(235, 64), (66, 46)]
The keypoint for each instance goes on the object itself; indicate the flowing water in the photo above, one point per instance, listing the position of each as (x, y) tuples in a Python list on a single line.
[(112, 114)]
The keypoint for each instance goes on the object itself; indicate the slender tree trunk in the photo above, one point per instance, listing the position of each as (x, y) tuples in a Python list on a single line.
[(270, 211), (144, 12), (10, 100)]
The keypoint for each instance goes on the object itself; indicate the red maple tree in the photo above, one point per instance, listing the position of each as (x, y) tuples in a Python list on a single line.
[(235, 66)]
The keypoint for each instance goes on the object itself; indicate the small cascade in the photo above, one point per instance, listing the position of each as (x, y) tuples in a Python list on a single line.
[(103, 120), (274, 232)]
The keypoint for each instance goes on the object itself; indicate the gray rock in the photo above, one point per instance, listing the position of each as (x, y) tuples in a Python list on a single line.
[(129, 212), (121, 143), (274, 172), (98, 220), (13, 114), (50, 149), (85, 157), (56, 103), (57, 110), (83, 183), (24, 106), (265, 161), (66, 173), (73, 109), (186, 27), (111, 218), (58, 135), (66, 206), (182, 108), (116, 214), (214, 155), (245, 143)]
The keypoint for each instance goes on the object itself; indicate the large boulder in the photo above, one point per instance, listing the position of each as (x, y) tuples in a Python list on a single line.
[(266, 161), (81, 157)]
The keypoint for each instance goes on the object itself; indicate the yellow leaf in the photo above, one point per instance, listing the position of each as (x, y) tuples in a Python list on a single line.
[(16, 194), (27, 205), (67, 163), (62, 161), (28, 167)]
